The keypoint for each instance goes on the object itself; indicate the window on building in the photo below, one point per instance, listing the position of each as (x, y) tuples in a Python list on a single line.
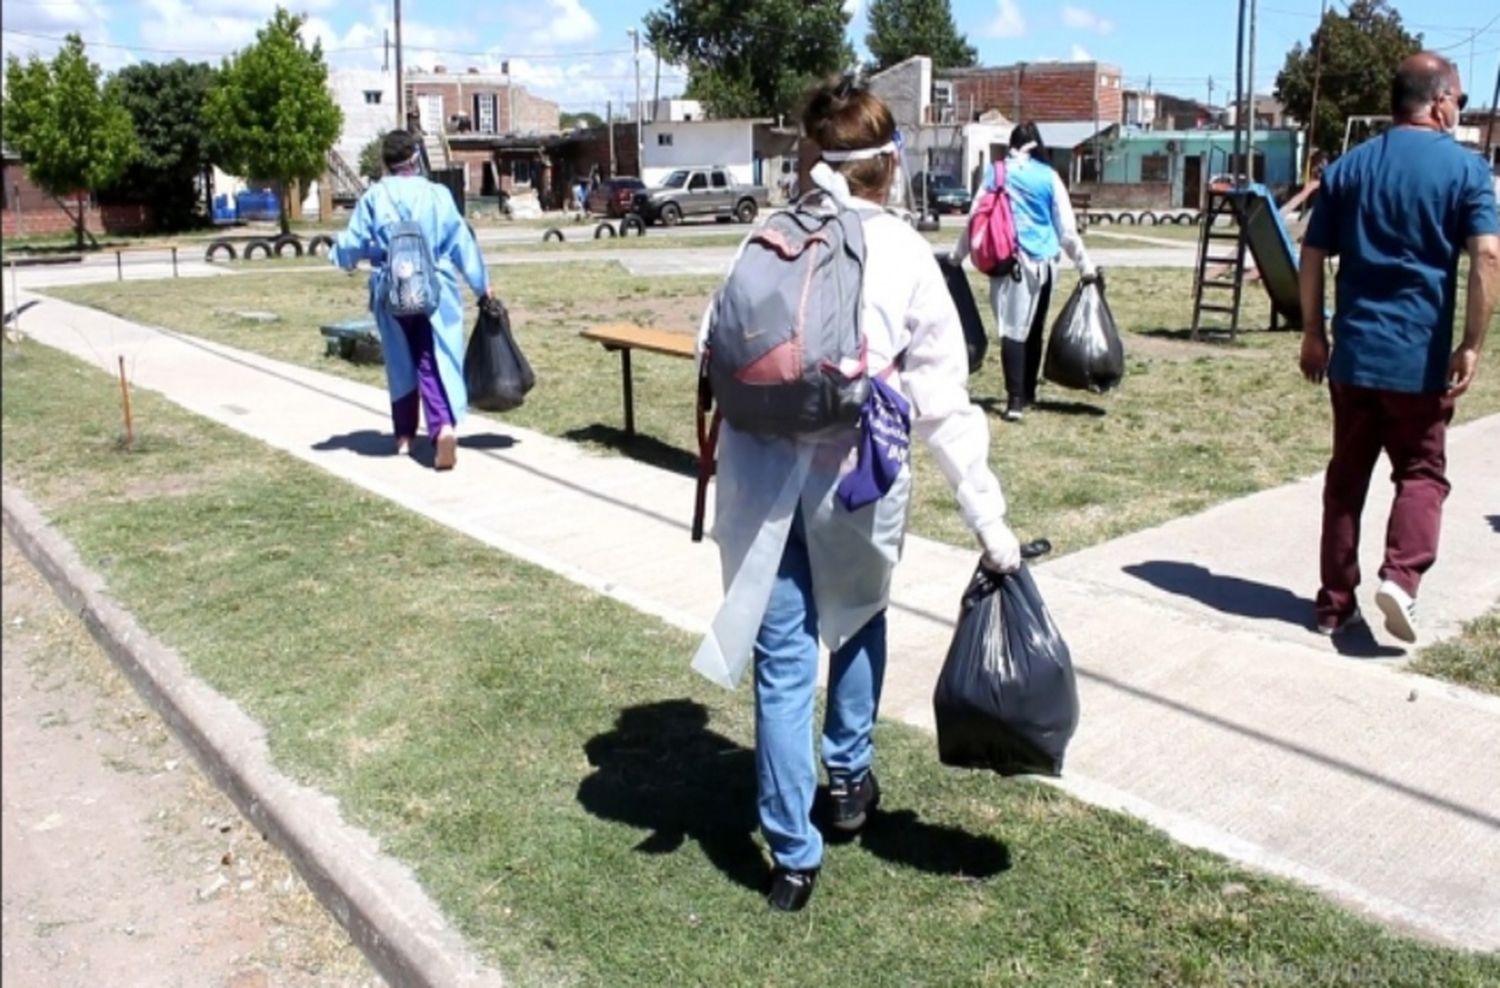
[(372, 97), (1156, 168), (663, 140), (484, 112), (520, 173)]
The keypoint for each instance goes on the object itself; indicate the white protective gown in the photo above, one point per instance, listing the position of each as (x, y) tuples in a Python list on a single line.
[(761, 481)]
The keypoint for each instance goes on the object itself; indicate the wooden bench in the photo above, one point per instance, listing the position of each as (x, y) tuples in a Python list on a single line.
[(625, 337), (344, 338)]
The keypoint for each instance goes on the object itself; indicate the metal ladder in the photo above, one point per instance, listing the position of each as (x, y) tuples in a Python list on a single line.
[(1213, 238)]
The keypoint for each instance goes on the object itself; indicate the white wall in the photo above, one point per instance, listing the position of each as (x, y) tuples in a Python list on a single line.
[(730, 143), (363, 122)]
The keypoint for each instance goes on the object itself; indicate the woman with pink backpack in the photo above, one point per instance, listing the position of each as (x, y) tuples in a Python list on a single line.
[(1021, 285)]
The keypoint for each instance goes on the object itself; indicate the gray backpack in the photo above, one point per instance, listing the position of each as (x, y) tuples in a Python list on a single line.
[(785, 353), (409, 278)]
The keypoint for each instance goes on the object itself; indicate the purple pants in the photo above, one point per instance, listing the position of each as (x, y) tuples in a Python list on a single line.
[(429, 391), (1412, 429)]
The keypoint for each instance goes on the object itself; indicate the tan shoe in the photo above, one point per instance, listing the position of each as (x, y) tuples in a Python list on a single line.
[(447, 448)]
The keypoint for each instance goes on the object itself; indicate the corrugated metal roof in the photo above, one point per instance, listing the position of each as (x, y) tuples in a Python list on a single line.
[(1068, 134)]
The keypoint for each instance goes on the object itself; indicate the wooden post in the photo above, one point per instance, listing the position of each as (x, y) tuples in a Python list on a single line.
[(125, 399)]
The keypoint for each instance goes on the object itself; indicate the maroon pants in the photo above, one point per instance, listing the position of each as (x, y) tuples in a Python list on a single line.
[(1412, 430)]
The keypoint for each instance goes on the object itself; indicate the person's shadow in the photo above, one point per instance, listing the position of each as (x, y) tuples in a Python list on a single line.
[(901, 837), (1252, 599), (662, 770), (371, 442)]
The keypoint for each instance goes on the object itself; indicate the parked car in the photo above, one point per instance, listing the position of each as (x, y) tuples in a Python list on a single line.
[(944, 193), (614, 197), (708, 191)]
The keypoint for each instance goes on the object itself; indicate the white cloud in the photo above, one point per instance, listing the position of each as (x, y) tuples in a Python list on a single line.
[(1086, 20), (38, 30), (1079, 54), (853, 8), (559, 22), (1008, 22)]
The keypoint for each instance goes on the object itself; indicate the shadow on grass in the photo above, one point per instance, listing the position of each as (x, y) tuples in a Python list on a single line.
[(996, 406), (663, 771), (647, 450), (901, 837), (1207, 335)]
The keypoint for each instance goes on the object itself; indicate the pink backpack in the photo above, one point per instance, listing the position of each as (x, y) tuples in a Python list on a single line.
[(992, 230)]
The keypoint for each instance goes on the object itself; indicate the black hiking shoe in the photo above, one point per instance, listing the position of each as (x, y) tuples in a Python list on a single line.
[(851, 802), (791, 888)]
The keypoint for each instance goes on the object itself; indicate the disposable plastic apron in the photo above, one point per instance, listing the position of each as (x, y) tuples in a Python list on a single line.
[(760, 484)]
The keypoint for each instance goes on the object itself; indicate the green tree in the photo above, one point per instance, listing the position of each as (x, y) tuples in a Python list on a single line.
[(567, 121), (900, 29), (752, 59), (270, 110), (371, 163), (165, 102), (72, 139), (1359, 52)]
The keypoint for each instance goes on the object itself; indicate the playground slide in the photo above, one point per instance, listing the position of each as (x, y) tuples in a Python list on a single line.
[(1271, 246)]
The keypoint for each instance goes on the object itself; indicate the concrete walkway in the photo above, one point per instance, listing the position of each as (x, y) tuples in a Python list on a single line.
[(1208, 708)]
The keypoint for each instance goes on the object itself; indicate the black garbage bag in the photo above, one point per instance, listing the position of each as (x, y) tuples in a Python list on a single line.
[(495, 370), (1006, 699), (968, 311), (1085, 351)]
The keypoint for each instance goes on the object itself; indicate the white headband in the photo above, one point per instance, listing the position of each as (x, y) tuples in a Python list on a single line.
[(859, 154)]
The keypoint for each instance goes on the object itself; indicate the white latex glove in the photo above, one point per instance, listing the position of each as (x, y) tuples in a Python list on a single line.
[(1002, 550), (1087, 270)]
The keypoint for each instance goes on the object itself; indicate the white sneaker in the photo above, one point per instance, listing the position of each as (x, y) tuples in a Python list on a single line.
[(1399, 609)]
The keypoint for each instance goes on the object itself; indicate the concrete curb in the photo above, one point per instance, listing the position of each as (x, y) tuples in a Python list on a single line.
[(375, 898)]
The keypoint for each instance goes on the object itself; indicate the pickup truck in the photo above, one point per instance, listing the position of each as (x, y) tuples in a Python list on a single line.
[(700, 192)]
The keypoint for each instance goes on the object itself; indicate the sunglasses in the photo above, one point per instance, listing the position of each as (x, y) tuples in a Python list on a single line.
[(1461, 101)]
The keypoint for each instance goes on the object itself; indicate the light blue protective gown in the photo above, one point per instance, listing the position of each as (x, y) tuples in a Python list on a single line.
[(456, 252)]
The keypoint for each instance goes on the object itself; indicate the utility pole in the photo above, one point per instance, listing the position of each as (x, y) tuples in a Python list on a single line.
[(1312, 121), (640, 141), (400, 77), (609, 121), (656, 88), (385, 62), (1489, 130), (1250, 94), (1239, 96)]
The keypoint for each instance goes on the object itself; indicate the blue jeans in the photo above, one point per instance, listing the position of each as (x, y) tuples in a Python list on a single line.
[(786, 680)]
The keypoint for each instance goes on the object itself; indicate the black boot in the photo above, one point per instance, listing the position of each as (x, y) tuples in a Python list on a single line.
[(1013, 363)]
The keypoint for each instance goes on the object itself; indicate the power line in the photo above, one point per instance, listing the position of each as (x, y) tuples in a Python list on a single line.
[(495, 53)]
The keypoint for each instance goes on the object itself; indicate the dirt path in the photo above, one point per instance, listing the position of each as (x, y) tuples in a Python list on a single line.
[(123, 865)]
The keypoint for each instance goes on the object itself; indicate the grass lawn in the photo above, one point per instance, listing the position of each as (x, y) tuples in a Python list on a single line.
[(1194, 423), (576, 799), (1473, 659)]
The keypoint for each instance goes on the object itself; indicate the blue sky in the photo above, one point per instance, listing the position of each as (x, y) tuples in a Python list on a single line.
[(577, 51)]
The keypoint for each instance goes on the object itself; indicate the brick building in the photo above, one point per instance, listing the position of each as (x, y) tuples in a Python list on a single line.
[(29, 211), (476, 113), (1046, 92)]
